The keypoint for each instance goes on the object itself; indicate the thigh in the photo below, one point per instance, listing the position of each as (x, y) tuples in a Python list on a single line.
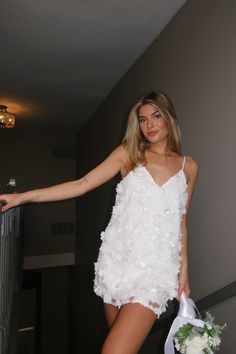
[(129, 330), (111, 312)]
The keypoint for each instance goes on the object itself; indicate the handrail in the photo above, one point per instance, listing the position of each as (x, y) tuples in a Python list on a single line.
[(218, 296), (9, 271)]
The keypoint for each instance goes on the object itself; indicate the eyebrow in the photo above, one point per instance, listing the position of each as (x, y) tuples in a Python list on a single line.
[(153, 113)]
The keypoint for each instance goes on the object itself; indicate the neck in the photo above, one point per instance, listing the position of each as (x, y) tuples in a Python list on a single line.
[(158, 148)]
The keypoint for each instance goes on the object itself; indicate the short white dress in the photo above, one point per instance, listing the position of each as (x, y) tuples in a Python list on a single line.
[(139, 257)]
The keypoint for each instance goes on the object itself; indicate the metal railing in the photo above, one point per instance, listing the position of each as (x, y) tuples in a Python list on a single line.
[(9, 271)]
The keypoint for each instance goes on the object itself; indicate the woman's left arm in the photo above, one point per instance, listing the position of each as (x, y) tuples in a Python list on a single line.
[(191, 172)]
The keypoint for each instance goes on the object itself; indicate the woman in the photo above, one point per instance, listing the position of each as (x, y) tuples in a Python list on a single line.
[(143, 259)]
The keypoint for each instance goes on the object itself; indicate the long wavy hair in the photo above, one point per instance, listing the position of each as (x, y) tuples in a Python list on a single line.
[(135, 142)]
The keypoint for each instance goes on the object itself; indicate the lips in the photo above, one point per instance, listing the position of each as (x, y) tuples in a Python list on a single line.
[(152, 133)]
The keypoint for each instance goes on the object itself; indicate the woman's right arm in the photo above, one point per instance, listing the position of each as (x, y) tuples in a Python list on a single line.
[(96, 177)]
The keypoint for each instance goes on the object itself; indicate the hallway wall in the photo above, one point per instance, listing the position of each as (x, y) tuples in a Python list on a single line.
[(193, 60), (33, 159)]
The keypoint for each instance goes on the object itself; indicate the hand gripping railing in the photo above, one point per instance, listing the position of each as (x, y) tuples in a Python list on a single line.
[(9, 271)]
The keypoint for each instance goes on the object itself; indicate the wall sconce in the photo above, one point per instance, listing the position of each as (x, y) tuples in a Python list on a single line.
[(7, 120)]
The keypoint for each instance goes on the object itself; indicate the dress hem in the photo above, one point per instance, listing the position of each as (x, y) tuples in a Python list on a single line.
[(158, 311)]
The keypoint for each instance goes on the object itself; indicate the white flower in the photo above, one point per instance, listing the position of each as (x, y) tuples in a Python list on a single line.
[(177, 345), (216, 341), (208, 325), (196, 345)]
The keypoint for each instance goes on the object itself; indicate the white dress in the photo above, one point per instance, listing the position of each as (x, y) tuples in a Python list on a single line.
[(139, 257)]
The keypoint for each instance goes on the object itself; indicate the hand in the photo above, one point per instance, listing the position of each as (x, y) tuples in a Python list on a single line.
[(183, 284), (11, 200)]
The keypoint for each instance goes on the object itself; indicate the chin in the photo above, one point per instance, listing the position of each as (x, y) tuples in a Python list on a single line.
[(152, 140)]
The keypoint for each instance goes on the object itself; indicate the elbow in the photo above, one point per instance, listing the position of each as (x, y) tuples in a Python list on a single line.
[(81, 187)]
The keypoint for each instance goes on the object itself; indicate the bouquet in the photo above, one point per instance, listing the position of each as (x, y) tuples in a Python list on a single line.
[(190, 339), (190, 334)]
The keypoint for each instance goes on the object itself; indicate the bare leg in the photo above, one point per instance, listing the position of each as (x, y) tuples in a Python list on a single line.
[(111, 312), (129, 330)]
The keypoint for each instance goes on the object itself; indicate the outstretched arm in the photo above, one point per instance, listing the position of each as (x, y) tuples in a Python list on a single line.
[(96, 177), (192, 169)]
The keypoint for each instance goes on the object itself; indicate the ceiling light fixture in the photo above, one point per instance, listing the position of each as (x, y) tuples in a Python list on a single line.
[(7, 120)]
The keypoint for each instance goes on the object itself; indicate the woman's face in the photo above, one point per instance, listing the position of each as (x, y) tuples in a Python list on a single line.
[(152, 123)]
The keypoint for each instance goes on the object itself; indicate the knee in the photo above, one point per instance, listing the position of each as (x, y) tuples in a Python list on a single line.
[(107, 349), (111, 348)]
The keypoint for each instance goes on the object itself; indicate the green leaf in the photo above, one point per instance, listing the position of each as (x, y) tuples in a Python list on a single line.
[(183, 333)]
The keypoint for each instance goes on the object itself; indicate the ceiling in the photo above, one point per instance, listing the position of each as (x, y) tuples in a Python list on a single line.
[(61, 58)]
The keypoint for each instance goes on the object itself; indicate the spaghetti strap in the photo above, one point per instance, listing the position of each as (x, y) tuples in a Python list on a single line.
[(183, 163)]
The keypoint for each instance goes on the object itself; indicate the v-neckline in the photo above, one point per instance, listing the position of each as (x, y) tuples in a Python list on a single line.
[(167, 181)]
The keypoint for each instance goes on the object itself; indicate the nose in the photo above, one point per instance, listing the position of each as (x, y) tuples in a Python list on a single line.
[(150, 122)]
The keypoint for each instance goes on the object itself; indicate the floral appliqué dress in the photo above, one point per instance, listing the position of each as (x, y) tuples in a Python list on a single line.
[(139, 257)]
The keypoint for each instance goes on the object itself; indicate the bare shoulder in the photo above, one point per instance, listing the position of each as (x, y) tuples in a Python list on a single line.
[(120, 156), (192, 164), (120, 153), (191, 167)]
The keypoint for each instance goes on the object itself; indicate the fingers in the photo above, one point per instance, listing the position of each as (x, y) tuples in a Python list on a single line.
[(179, 294), (181, 289), (8, 201), (5, 206), (3, 203)]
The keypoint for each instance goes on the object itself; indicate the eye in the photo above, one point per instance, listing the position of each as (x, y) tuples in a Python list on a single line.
[(157, 116), (141, 120)]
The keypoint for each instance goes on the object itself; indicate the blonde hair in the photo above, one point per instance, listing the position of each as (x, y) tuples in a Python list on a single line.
[(135, 142)]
